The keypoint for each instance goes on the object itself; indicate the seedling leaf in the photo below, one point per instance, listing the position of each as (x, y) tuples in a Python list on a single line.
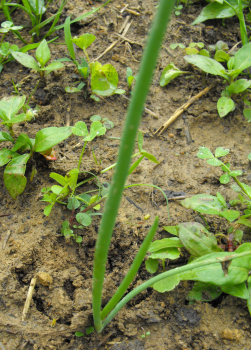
[(49, 137), (80, 129), (10, 106), (207, 64), (97, 129), (204, 153), (43, 53), (152, 265), (84, 219), (170, 73), (230, 215), (221, 152), (84, 41), (26, 60), (166, 284), (204, 203), (225, 105), (14, 178)]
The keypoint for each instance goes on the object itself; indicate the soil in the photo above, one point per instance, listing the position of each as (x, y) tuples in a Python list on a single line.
[(36, 245)]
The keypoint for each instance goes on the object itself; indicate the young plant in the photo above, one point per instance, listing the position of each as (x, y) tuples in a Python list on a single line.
[(236, 65), (23, 147), (225, 9), (103, 79), (169, 73), (130, 78), (43, 55), (103, 316)]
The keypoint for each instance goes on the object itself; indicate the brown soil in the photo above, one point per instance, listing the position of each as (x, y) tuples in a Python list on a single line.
[(36, 244)]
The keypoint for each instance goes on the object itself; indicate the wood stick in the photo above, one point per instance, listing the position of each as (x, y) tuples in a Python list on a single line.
[(181, 110), (29, 297), (115, 42)]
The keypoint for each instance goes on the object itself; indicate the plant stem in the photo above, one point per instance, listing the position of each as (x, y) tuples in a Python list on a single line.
[(126, 148), (132, 272), (173, 272)]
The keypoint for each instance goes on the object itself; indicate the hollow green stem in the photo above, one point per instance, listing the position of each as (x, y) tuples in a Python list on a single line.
[(166, 274), (132, 272), (126, 148)]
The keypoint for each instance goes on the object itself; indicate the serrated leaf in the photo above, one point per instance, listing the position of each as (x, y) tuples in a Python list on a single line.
[(49, 137)]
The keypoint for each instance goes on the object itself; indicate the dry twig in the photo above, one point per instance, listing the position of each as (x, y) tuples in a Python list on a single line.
[(181, 110)]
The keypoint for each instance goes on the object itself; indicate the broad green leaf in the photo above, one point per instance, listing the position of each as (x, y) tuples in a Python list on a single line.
[(171, 229), (84, 219), (217, 10), (207, 64), (57, 189), (204, 292), (214, 162), (104, 79), (97, 129), (26, 60), (14, 178), (166, 253), (48, 209), (16, 119), (166, 284), (235, 173), (225, 105), (230, 215), (22, 140), (165, 243), (237, 290), (140, 140), (247, 114), (245, 222), (10, 106), (224, 179), (238, 86), (73, 203), (204, 52), (59, 178), (4, 49), (4, 136), (41, 8), (49, 137), (221, 152), (204, 203), (52, 66), (43, 53), (95, 118), (197, 239), (204, 153), (152, 265), (84, 41), (221, 56), (80, 129), (247, 189), (6, 155), (170, 73), (242, 58)]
